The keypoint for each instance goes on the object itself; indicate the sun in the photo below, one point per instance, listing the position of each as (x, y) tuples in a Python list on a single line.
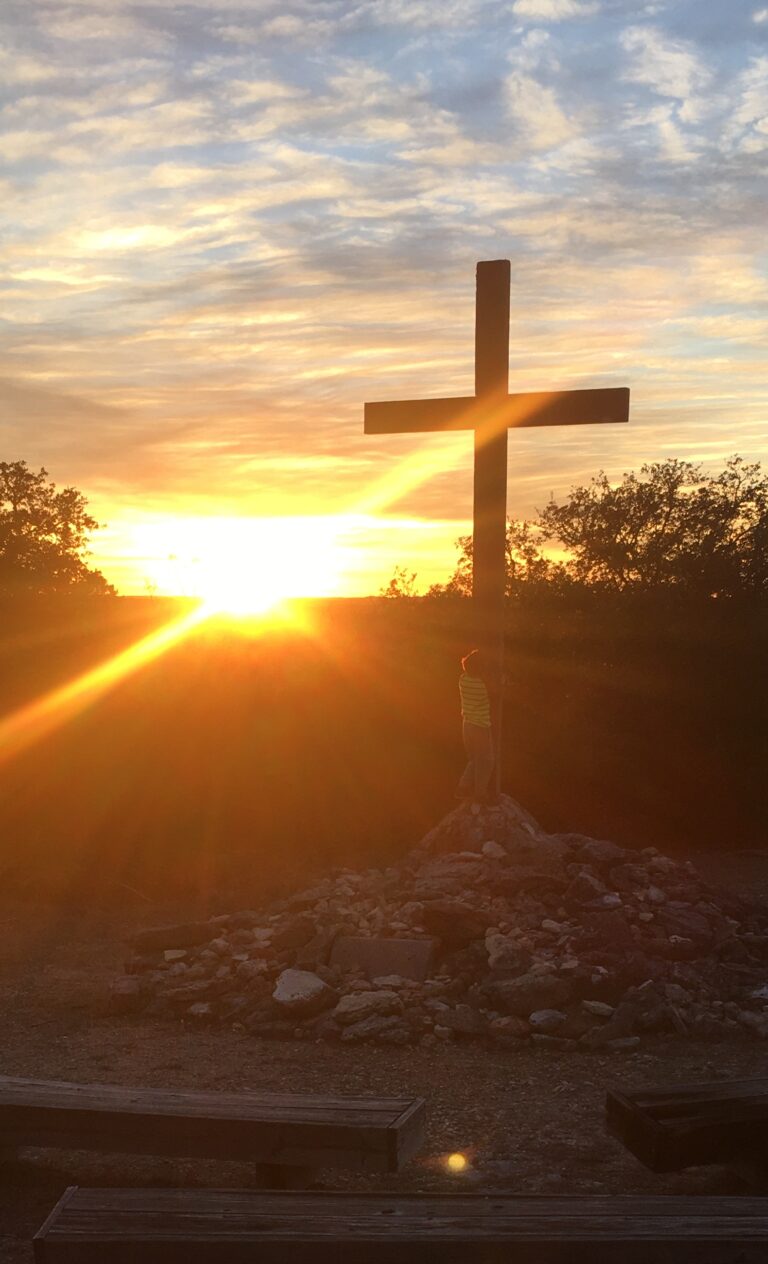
[(245, 588), (247, 567)]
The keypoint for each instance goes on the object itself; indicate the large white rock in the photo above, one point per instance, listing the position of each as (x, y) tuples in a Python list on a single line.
[(357, 1006), (301, 992)]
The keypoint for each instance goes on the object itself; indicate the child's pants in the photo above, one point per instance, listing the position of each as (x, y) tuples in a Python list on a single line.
[(478, 743)]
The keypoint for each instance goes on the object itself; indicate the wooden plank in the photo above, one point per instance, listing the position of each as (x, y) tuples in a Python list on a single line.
[(230, 1227), (686, 1125), (359, 1133), (599, 406), (406, 1137), (170, 1101), (710, 1091)]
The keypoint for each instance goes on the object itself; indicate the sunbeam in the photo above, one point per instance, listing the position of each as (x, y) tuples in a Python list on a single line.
[(28, 724)]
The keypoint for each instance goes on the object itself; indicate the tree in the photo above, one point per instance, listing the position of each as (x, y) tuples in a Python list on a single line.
[(402, 584), (44, 535), (528, 567), (671, 528)]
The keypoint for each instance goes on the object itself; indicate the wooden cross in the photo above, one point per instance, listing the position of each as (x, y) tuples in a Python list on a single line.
[(491, 412)]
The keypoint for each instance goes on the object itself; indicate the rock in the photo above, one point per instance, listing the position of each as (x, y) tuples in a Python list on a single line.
[(685, 923), (454, 922), (528, 993), (373, 1028), (585, 887), (547, 1022), (624, 1042), (562, 930), (611, 900), (185, 935), (126, 996), (303, 994), (756, 1023), (201, 1012), (316, 952), (188, 993), (493, 850), (295, 934), (356, 1007), (464, 1020), (598, 1008), (592, 851), (505, 954), (553, 1042), (408, 958), (252, 971)]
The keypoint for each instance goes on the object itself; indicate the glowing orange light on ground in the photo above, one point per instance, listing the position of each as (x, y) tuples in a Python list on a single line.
[(30, 723)]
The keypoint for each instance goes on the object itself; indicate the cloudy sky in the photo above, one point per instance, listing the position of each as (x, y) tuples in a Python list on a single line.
[(227, 225)]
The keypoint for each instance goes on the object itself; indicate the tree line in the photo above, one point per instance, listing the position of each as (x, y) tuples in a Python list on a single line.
[(670, 529)]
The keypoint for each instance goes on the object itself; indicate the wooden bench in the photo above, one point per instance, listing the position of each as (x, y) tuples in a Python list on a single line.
[(279, 1130), (195, 1226), (689, 1124)]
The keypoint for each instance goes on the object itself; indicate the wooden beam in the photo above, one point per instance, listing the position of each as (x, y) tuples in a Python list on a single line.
[(527, 408), (489, 566), (690, 1124), (420, 416), (204, 1226), (290, 1130)]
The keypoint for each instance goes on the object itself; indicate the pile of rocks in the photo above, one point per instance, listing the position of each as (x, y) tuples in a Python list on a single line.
[(508, 934)]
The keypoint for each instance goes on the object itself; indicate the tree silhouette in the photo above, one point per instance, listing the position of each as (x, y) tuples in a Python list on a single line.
[(671, 528), (44, 535), (402, 584)]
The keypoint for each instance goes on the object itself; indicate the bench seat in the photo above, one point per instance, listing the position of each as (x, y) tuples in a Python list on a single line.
[(689, 1124), (287, 1130), (194, 1226)]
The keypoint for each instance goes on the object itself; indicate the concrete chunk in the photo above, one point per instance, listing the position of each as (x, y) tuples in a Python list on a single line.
[(408, 958)]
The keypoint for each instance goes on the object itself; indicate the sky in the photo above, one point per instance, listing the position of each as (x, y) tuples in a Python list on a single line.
[(227, 225)]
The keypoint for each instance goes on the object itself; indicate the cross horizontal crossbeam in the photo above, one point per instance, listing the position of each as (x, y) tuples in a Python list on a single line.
[(532, 408)]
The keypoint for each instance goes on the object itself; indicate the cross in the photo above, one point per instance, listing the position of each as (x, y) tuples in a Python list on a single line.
[(490, 413)]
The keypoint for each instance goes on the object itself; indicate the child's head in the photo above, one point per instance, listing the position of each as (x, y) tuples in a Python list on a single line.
[(472, 663)]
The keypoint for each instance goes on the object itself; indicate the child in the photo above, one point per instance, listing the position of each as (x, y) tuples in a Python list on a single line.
[(476, 729)]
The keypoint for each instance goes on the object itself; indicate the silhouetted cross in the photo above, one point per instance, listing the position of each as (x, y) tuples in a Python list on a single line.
[(491, 412)]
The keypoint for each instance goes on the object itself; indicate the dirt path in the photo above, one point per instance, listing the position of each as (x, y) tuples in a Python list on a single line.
[(529, 1119)]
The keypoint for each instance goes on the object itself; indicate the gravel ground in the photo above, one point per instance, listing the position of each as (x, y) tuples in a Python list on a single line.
[(529, 1119)]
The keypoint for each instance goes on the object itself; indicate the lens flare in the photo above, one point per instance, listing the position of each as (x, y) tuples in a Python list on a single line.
[(457, 1162), (30, 723)]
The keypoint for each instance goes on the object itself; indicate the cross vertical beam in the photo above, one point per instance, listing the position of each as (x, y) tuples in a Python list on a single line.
[(490, 412), (490, 478)]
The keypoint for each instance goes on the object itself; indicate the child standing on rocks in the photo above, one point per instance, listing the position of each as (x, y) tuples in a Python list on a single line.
[(476, 729)]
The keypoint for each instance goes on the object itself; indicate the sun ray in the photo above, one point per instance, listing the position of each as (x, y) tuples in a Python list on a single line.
[(225, 588), (28, 724)]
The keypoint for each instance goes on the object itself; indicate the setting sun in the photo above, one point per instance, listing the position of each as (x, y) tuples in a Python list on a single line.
[(248, 566)]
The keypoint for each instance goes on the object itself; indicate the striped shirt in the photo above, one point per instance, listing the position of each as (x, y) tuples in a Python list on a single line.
[(475, 704)]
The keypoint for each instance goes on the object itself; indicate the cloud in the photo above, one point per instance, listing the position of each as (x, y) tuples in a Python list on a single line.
[(554, 10), (534, 108), (229, 222), (669, 67), (747, 128)]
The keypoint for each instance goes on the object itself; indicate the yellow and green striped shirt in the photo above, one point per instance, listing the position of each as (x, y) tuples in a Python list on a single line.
[(475, 704)]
